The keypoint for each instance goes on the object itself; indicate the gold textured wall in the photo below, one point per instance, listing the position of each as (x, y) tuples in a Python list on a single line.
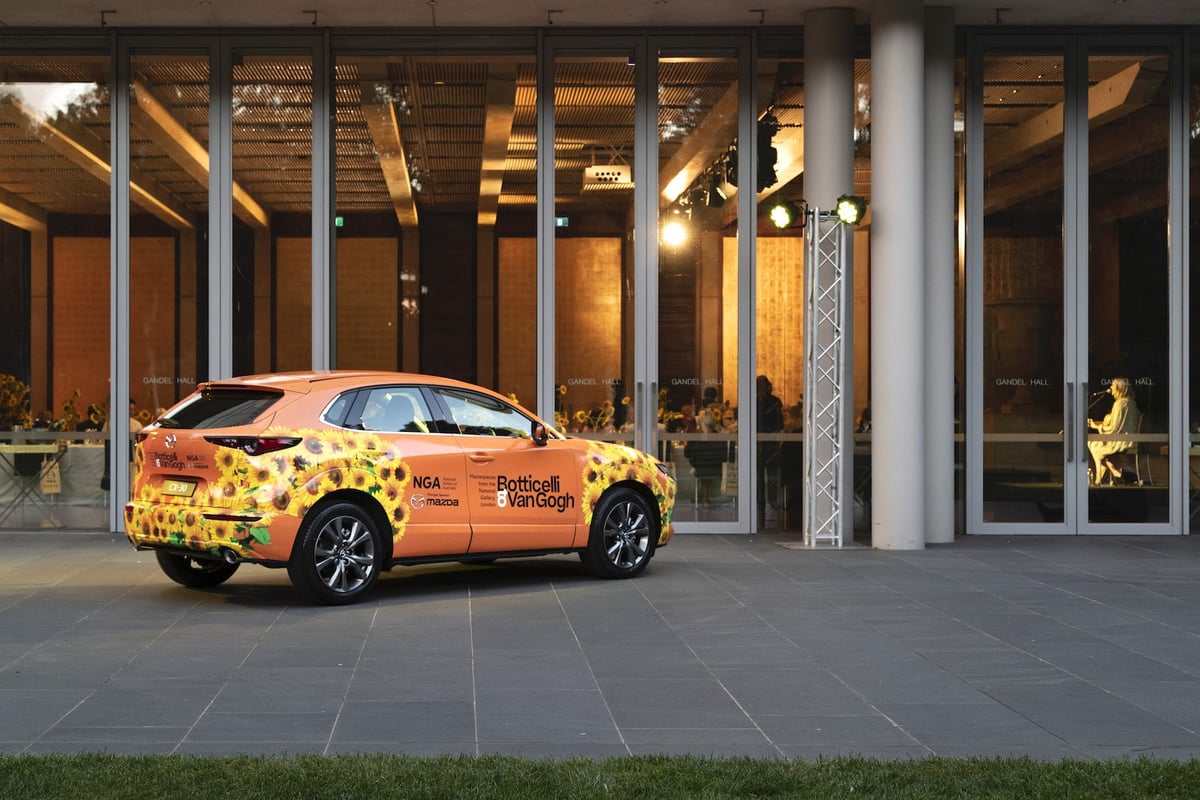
[(367, 303), (516, 319)]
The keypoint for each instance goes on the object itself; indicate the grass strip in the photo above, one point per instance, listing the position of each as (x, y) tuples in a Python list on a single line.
[(97, 776)]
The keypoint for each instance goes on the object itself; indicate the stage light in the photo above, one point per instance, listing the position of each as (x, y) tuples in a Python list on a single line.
[(851, 208), (785, 214), (674, 231), (715, 195)]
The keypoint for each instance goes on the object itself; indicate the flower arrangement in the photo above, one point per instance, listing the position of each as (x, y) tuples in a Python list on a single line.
[(98, 413), (69, 420), (597, 419), (14, 403), (666, 417)]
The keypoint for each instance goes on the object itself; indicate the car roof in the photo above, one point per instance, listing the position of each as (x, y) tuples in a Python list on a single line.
[(305, 381)]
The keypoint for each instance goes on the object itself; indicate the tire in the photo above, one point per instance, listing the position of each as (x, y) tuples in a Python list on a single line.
[(196, 573), (624, 533), (337, 556)]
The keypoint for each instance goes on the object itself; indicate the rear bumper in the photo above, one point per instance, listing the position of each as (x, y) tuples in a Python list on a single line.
[(212, 531)]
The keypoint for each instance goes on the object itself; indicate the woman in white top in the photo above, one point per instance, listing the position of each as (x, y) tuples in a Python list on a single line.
[(1123, 418)]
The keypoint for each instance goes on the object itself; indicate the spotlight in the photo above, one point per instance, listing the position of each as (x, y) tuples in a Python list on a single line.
[(851, 208), (785, 214), (674, 231)]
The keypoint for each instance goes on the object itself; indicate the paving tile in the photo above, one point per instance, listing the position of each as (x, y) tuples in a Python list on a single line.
[(531, 715), (1045, 647), (300, 727), (399, 721)]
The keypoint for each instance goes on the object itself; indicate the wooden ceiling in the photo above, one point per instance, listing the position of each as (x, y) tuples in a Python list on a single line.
[(458, 134)]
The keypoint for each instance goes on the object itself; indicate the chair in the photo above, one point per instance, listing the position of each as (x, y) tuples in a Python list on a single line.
[(1119, 459), (1141, 456)]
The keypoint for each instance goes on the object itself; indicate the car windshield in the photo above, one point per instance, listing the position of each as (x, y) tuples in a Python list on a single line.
[(222, 408)]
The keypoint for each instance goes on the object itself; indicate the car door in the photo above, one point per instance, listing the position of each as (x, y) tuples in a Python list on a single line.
[(428, 470), (523, 496)]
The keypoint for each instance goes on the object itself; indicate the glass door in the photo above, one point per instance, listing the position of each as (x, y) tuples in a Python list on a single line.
[(697, 287), (1075, 311), (647, 347)]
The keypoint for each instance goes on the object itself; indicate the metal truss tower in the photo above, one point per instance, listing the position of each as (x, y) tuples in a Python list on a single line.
[(828, 440)]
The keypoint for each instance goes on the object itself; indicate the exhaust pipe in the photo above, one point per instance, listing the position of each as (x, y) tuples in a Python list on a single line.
[(229, 556)]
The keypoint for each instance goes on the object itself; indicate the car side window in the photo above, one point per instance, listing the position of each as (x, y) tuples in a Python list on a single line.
[(480, 415), (396, 409)]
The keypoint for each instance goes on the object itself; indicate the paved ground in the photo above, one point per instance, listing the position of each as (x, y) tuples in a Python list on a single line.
[(1050, 647)]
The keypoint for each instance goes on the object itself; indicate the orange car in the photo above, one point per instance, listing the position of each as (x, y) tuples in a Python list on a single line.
[(339, 476)]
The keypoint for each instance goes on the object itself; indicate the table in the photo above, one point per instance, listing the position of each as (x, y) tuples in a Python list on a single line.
[(28, 478)]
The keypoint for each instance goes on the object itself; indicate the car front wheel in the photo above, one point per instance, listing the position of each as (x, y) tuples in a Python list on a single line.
[(197, 573), (623, 535), (337, 555)]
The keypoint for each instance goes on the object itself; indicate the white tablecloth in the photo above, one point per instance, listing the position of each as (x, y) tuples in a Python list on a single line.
[(81, 468)]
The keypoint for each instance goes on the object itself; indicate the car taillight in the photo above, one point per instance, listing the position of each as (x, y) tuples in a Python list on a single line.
[(255, 445)]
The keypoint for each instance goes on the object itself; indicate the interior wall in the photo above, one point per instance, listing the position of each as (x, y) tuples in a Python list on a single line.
[(292, 324), (79, 334), (368, 303), (516, 319), (588, 314), (152, 325)]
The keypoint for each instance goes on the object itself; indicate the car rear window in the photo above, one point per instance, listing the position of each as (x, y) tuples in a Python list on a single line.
[(221, 409)]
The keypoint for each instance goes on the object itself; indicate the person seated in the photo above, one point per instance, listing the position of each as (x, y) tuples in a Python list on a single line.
[(1124, 417)]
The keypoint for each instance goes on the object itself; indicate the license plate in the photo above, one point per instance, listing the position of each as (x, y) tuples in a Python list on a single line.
[(179, 488)]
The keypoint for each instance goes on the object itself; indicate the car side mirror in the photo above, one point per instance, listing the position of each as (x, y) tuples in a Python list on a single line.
[(539, 435)]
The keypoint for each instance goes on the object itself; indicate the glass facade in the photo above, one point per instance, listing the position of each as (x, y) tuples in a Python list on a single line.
[(565, 220), (55, 185), (1078, 302)]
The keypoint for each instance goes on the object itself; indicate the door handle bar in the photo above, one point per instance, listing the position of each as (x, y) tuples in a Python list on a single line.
[(1070, 428)]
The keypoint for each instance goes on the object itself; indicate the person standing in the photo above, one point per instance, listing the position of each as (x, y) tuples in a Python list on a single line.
[(770, 420)]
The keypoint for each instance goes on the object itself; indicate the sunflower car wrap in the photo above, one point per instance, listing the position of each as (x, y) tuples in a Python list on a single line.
[(290, 470)]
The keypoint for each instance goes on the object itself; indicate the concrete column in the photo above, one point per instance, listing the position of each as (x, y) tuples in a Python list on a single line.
[(828, 105), (898, 388), (939, 275), (828, 174)]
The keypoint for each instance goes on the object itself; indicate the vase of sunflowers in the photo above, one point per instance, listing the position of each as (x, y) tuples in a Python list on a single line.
[(14, 403)]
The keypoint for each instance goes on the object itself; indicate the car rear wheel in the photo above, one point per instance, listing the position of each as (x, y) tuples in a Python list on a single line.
[(624, 532), (337, 555), (197, 573)]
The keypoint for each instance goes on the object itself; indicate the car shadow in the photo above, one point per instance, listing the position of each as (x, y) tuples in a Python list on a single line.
[(256, 587)]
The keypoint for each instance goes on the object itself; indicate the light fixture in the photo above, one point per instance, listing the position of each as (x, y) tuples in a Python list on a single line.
[(851, 208), (674, 233), (768, 126), (675, 230), (714, 196), (785, 214)]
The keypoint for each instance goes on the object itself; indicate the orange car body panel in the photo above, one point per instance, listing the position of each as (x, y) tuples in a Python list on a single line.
[(442, 494)]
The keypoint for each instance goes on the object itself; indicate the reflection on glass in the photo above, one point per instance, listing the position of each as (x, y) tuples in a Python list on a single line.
[(272, 209), (54, 312), (168, 249), (779, 304), (697, 278), (593, 248), (1128, 286), (436, 193), (1023, 368)]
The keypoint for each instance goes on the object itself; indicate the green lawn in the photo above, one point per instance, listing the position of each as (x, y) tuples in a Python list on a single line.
[(101, 777)]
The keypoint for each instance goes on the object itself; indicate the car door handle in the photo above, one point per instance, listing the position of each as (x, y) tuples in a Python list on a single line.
[(481, 458)]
